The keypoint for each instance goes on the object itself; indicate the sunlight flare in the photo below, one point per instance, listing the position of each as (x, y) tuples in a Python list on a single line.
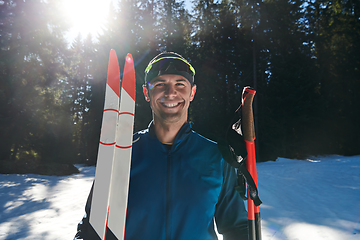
[(86, 16)]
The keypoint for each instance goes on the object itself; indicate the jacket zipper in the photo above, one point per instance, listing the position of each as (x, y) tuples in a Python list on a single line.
[(168, 198)]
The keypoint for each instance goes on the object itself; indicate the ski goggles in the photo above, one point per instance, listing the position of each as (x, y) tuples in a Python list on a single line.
[(169, 65)]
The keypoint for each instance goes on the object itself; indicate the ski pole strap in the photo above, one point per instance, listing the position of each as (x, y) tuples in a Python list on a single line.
[(241, 185), (238, 163)]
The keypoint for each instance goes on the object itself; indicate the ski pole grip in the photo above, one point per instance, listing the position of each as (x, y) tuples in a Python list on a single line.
[(247, 114)]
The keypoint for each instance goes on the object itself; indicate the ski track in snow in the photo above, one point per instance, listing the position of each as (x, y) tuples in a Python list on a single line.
[(312, 199)]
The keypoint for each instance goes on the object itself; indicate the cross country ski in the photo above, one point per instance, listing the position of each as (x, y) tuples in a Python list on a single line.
[(109, 200)]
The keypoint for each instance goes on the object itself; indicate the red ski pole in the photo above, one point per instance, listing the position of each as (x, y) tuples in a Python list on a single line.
[(249, 137)]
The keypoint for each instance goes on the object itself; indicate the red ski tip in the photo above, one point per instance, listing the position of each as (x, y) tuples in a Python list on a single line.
[(129, 58), (113, 75), (128, 82)]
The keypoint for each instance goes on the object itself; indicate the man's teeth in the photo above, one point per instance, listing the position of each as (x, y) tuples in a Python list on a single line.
[(170, 104)]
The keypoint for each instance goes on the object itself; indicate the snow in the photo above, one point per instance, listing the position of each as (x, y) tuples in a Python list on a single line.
[(313, 199), (43, 207)]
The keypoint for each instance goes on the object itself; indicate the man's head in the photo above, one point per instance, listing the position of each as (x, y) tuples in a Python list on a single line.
[(169, 87)]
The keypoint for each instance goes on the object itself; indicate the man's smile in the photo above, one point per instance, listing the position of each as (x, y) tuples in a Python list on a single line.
[(170, 104)]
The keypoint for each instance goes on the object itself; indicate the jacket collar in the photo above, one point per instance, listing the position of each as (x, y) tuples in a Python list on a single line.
[(183, 133)]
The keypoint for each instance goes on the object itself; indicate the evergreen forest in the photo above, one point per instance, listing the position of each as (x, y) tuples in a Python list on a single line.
[(301, 56)]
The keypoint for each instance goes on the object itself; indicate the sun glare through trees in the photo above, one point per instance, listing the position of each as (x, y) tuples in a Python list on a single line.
[(86, 16)]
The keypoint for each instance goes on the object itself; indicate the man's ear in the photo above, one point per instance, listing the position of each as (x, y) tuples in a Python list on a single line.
[(193, 91), (146, 93)]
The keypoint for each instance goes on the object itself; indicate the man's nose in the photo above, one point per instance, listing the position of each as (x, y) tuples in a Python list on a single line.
[(170, 90)]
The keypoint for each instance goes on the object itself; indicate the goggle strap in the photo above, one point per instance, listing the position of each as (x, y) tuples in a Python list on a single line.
[(157, 60)]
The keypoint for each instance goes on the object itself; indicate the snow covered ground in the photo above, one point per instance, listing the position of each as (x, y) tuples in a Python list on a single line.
[(314, 199)]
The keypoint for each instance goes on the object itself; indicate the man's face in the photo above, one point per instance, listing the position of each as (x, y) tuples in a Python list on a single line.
[(169, 97)]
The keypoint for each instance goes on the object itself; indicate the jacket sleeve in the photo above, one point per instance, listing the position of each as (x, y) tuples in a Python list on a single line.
[(84, 230), (230, 214)]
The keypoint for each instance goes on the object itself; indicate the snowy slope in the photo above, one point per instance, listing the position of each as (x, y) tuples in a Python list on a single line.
[(43, 207), (314, 199), (304, 200)]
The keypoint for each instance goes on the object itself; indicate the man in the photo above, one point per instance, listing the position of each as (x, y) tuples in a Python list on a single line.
[(179, 182)]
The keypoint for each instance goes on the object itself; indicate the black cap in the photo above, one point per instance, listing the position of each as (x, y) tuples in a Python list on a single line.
[(169, 63)]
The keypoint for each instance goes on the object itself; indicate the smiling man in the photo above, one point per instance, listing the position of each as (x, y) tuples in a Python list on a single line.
[(169, 96), (180, 186)]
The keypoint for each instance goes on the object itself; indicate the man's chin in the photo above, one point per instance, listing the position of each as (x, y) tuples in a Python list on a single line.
[(172, 118)]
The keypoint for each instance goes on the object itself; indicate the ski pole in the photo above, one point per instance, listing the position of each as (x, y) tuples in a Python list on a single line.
[(249, 137)]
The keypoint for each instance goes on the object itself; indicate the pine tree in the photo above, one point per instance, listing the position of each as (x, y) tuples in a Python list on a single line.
[(334, 27), (31, 65)]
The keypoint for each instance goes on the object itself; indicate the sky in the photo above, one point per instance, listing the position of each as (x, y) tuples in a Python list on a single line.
[(313, 199)]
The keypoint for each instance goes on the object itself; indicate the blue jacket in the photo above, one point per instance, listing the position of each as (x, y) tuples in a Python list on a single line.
[(177, 191)]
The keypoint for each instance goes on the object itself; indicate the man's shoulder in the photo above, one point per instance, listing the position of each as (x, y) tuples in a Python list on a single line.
[(205, 150), (203, 140)]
